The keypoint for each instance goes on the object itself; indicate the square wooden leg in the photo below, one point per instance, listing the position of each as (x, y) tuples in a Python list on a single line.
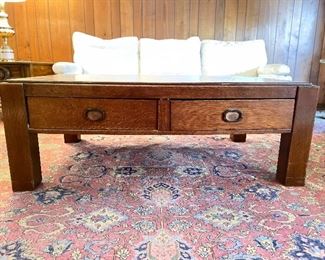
[(22, 146), (70, 138), (238, 138), (295, 146)]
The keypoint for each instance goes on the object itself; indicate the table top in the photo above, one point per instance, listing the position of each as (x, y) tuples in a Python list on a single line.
[(179, 80)]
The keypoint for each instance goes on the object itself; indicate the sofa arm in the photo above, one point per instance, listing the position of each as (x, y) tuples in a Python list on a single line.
[(275, 77), (66, 68), (275, 71)]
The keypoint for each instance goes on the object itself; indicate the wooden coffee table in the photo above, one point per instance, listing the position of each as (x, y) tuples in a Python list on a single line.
[(85, 104)]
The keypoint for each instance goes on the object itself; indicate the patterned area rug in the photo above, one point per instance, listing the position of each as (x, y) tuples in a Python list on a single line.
[(164, 197)]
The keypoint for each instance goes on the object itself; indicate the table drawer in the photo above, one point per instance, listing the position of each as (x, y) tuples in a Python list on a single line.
[(84, 113), (231, 114)]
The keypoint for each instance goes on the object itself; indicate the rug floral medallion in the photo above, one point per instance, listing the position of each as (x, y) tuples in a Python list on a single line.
[(163, 197)]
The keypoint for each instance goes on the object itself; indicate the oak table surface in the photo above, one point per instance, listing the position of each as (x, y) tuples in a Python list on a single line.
[(143, 79), (98, 104)]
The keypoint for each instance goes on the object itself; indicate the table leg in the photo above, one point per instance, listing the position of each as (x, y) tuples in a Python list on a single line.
[(238, 138), (72, 138), (294, 146), (22, 146)]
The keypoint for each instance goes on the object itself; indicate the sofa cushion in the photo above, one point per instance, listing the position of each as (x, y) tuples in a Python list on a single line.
[(277, 69), (97, 56), (170, 57), (223, 58)]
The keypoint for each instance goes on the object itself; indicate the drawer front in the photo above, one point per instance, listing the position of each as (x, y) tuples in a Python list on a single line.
[(9, 71), (212, 115), (40, 70), (96, 114)]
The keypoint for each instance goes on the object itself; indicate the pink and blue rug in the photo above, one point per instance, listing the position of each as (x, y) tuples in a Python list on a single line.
[(164, 197)]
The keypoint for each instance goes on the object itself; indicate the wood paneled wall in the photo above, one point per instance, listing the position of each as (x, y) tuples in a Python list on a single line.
[(292, 29)]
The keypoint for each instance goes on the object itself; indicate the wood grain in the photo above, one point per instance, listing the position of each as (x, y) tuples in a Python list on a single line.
[(73, 108), (158, 91), (116, 18), (22, 146), (321, 79), (102, 19), (207, 115), (271, 24), (58, 12), (89, 16), (252, 19), (39, 69), (164, 114), (283, 31), (23, 40), (207, 17), (149, 18), (230, 22), (315, 70), (241, 20), (12, 41), (165, 19), (194, 17), (307, 32), (182, 19), (70, 138), (294, 36), (292, 29), (77, 17), (69, 113), (219, 21), (26, 69), (32, 34), (137, 18), (126, 9), (43, 29), (238, 138), (294, 146)]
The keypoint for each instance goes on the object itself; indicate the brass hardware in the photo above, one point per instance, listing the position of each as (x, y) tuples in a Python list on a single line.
[(94, 114), (4, 73), (232, 115)]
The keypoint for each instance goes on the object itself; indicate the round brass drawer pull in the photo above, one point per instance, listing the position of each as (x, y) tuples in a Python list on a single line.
[(94, 114), (232, 115)]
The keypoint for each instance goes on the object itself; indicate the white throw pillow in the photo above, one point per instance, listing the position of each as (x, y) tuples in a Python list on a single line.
[(224, 58), (170, 57), (97, 56)]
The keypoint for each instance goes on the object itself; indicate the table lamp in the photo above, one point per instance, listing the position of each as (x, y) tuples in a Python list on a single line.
[(6, 31)]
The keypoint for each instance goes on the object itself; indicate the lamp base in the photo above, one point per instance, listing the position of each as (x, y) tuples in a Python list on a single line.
[(6, 53)]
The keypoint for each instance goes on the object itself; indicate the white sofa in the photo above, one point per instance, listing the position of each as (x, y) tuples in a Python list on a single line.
[(190, 57)]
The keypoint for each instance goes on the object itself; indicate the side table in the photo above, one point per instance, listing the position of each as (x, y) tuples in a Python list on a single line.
[(23, 69)]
